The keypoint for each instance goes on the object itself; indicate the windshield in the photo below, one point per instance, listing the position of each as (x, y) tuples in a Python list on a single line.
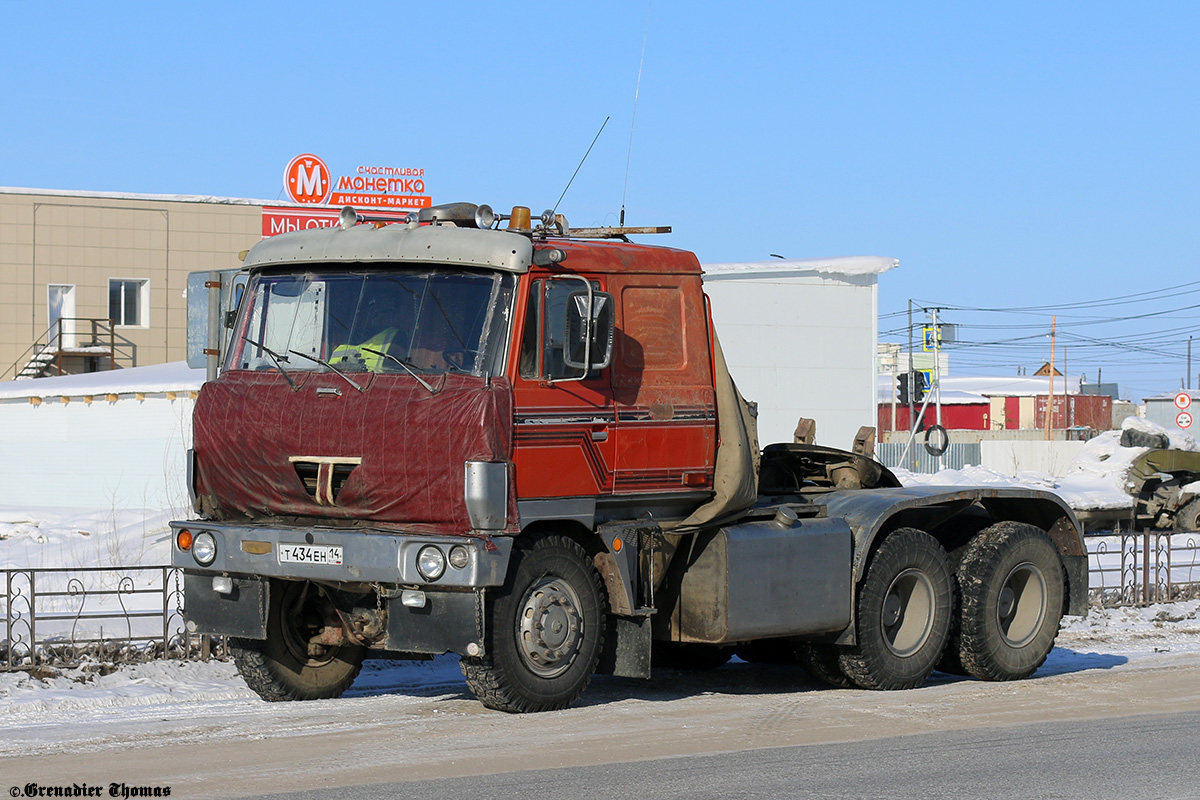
[(381, 320)]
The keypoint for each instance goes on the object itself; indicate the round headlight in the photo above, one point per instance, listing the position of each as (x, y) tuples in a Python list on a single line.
[(431, 562), (204, 548), (458, 556)]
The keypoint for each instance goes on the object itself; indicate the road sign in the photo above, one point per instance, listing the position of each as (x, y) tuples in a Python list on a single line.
[(1183, 419), (1183, 401), (928, 340)]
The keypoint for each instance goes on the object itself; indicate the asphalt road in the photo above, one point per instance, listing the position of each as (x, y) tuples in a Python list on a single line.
[(1137, 757), (1090, 724)]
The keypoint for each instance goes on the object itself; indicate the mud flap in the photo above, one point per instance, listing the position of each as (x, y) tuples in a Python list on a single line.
[(627, 649), (448, 622), (241, 613)]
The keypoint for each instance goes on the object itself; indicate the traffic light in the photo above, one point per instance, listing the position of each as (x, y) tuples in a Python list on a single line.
[(919, 386)]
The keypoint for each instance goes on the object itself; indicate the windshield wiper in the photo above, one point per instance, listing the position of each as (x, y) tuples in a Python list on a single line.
[(278, 359), (325, 363), (407, 367)]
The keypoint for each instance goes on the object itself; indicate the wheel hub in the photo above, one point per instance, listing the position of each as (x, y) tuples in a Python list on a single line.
[(304, 613), (550, 627), (1021, 604), (908, 612)]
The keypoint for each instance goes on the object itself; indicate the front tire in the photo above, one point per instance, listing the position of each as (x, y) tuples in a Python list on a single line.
[(545, 630), (286, 665), (902, 616), (1011, 580), (1187, 518)]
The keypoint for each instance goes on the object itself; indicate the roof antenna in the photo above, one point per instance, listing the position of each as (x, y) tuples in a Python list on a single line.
[(576, 172), (636, 92)]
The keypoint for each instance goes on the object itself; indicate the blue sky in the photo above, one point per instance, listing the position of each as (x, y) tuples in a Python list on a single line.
[(1011, 155)]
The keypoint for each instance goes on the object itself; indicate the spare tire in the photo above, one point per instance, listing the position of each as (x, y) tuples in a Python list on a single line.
[(1132, 437)]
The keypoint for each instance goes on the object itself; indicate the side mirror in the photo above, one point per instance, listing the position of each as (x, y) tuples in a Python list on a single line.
[(589, 334), (216, 293)]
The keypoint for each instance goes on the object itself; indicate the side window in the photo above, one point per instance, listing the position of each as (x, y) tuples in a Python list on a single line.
[(552, 344), (530, 363)]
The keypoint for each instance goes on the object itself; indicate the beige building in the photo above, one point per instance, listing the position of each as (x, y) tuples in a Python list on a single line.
[(72, 261)]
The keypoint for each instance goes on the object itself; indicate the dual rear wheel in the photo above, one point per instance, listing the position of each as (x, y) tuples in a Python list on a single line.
[(1009, 587)]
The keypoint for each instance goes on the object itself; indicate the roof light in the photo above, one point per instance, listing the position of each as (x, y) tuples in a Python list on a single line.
[(519, 220)]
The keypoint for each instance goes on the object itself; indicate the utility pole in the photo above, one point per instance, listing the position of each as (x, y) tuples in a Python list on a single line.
[(912, 422), (1050, 397), (937, 374), (1189, 367)]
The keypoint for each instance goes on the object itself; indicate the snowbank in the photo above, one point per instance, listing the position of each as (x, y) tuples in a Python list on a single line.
[(175, 376), (1094, 480)]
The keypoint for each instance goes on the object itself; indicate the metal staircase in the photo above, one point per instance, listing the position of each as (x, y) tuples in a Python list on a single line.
[(62, 351)]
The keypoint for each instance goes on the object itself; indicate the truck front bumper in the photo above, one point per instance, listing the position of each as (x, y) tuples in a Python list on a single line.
[(367, 555), (232, 595)]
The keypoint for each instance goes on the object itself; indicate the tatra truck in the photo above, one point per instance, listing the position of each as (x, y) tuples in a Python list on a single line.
[(492, 435)]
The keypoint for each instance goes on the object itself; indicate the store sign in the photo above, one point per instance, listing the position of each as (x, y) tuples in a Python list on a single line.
[(284, 219), (308, 180)]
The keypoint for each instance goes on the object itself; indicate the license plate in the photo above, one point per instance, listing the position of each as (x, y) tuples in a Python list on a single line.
[(310, 553)]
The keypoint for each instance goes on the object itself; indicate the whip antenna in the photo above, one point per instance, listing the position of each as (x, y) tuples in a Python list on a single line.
[(576, 172), (636, 92)]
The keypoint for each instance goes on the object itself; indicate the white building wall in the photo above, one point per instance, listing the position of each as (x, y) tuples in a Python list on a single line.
[(122, 454), (800, 345)]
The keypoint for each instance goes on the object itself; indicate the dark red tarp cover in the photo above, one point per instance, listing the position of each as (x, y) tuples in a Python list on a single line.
[(413, 444)]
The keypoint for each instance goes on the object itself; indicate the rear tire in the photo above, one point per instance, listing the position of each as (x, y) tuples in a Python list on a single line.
[(822, 662), (545, 630), (1012, 585), (902, 615), (286, 666)]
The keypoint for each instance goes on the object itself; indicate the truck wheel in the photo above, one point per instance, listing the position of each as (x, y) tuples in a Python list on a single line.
[(287, 665), (822, 662), (1012, 586), (690, 656), (1187, 518), (545, 630), (902, 613)]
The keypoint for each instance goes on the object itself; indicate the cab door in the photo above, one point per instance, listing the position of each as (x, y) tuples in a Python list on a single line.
[(563, 443), (662, 385)]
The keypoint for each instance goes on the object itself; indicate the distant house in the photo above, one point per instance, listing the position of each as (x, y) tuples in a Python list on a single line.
[(1002, 403)]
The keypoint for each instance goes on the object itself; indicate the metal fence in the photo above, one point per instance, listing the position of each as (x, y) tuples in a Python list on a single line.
[(60, 617), (959, 455), (1141, 568)]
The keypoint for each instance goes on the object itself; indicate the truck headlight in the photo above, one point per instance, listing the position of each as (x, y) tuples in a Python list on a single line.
[(459, 556), (204, 548), (431, 562)]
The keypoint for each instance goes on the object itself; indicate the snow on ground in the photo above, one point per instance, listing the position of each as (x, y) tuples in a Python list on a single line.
[(155, 688), (62, 538)]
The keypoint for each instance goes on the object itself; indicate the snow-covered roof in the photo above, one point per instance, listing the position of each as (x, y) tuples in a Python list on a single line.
[(175, 376), (776, 267), (1011, 385), (172, 198), (971, 389)]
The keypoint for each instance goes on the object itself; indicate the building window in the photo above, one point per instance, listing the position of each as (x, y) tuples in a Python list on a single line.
[(128, 303)]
